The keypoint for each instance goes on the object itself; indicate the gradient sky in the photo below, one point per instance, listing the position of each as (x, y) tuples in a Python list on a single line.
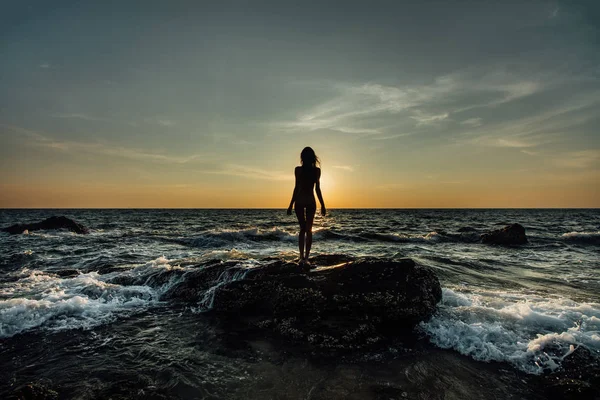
[(193, 104)]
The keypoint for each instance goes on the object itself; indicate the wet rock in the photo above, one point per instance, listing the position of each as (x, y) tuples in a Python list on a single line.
[(467, 229), (387, 391), (66, 273), (195, 282), (509, 235), (346, 306), (33, 391), (578, 377), (48, 224)]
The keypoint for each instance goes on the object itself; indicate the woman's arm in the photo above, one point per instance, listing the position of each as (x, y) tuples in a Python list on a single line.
[(319, 195), (289, 210)]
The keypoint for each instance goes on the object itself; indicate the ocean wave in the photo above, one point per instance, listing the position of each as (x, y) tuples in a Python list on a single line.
[(430, 237), (224, 237), (532, 332), (582, 237), (221, 238), (38, 299)]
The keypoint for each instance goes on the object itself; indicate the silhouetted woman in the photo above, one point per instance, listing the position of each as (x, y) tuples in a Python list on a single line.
[(307, 178)]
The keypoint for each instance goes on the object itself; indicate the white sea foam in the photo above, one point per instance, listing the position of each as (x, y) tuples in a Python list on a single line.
[(582, 237), (40, 299), (530, 331), (229, 275)]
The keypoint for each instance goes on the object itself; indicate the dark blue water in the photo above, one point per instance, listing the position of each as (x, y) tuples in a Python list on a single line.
[(504, 304)]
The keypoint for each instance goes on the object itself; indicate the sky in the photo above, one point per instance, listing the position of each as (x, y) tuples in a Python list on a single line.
[(208, 104)]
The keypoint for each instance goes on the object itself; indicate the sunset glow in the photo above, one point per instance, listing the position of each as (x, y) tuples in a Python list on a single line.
[(187, 105)]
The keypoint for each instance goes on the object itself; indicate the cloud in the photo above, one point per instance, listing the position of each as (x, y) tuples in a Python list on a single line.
[(75, 147), (166, 122), (511, 142), (158, 120), (251, 172), (548, 126), (472, 122), (530, 153), (579, 159), (369, 108), (45, 65), (344, 167), (82, 116), (428, 119)]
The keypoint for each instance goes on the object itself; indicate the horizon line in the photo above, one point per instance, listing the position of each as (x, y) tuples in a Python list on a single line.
[(283, 208)]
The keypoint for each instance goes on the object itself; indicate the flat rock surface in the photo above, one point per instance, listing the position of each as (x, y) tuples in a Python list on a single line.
[(339, 304)]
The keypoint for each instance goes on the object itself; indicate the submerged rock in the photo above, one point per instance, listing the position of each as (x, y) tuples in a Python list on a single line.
[(510, 234), (34, 391), (350, 305), (48, 224), (577, 379)]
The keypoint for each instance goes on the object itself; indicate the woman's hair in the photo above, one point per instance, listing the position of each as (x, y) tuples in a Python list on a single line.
[(309, 158)]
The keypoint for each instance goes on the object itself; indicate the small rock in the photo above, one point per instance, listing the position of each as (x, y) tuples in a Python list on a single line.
[(48, 224), (509, 235)]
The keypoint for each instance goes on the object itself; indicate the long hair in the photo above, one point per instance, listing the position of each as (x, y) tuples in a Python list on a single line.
[(309, 159), (309, 163)]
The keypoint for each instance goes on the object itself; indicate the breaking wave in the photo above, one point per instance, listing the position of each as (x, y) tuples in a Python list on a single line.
[(45, 300), (533, 333), (582, 237)]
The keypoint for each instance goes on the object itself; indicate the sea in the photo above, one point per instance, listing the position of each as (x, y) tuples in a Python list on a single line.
[(71, 323)]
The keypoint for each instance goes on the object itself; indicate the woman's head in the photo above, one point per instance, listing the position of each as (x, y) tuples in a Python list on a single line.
[(309, 158)]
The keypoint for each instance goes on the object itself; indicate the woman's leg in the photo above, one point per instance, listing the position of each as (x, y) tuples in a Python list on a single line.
[(310, 217), (302, 222)]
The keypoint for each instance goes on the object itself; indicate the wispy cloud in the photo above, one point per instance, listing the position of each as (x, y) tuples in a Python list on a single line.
[(344, 167), (161, 120), (472, 122), (75, 147), (530, 153), (368, 108), (579, 159), (428, 119), (251, 172), (536, 129), (166, 122), (45, 65), (82, 116)]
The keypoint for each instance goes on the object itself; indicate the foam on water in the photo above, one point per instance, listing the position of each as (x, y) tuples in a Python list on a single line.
[(42, 299), (229, 275), (530, 331), (582, 237)]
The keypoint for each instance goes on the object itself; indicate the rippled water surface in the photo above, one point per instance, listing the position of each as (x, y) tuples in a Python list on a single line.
[(83, 312)]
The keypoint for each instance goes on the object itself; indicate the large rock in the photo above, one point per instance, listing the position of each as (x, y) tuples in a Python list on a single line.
[(509, 235), (48, 224), (349, 305)]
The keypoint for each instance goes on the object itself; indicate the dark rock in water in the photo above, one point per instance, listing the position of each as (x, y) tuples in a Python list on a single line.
[(578, 378), (33, 391), (346, 306), (510, 234), (48, 224), (197, 281), (66, 273)]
